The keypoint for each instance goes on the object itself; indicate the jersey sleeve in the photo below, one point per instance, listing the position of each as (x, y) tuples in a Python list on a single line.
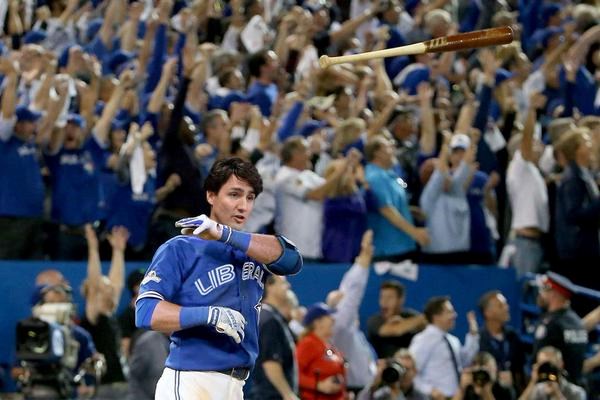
[(164, 275)]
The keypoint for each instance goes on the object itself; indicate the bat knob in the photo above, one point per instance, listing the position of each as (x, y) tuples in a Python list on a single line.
[(324, 61)]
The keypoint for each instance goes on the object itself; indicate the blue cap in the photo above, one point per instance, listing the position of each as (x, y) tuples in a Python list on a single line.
[(548, 11), (315, 312), (311, 127), (76, 119), (410, 5), (416, 75), (118, 61), (25, 114), (502, 75), (541, 37), (119, 124), (35, 37)]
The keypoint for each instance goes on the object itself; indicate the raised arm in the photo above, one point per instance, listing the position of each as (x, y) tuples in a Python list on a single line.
[(94, 275), (103, 125), (158, 95), (536, 101), (118, 241), (427, 140), (354, 283), (107, 30), (349, 27), (9, 98)]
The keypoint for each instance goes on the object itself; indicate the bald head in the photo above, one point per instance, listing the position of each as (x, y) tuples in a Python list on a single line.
[(50, 277)]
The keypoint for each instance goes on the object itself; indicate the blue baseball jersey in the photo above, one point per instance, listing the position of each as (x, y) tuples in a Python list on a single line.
[(192, 272), (21, 185), (76, 195)]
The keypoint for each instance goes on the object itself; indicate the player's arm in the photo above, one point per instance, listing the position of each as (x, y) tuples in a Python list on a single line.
[(279, 254)]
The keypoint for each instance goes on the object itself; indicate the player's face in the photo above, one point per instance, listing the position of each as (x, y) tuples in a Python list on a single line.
[(233, 203)]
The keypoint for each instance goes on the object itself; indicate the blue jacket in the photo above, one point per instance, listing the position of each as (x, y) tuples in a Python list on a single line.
[(577, 216)]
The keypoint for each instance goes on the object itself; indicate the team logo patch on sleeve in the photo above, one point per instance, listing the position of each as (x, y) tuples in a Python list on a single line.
[(151, 276)]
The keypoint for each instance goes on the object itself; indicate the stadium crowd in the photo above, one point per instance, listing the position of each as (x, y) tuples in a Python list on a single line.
[(112, 112)]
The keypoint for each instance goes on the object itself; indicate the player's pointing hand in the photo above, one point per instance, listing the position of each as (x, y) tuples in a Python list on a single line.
[(201, 226)]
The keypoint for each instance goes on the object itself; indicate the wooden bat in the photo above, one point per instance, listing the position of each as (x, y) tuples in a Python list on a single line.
[(461, 41)]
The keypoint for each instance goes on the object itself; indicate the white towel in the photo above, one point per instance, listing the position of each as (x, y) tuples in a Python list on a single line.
[(137, 170)]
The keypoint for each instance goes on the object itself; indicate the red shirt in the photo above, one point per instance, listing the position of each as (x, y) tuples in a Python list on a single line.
[(317, 361)]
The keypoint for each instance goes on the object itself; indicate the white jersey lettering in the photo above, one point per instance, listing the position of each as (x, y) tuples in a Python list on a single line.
[(217, 277)]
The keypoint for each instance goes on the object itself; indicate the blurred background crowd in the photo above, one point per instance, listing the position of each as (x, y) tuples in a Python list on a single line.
[(112, 113)]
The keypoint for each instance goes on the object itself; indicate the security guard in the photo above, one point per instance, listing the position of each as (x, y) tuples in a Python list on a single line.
[(560, 326)]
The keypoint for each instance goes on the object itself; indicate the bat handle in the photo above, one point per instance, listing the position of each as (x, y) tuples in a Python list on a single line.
[(324, 61)]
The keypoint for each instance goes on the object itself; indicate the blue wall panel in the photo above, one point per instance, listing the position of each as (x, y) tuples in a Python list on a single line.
[(464, 284)]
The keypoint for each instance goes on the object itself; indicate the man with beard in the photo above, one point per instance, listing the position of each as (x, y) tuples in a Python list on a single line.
[(560, 327)]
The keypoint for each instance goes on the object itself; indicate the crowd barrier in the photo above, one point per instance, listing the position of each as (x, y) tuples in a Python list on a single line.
[(464, 284)]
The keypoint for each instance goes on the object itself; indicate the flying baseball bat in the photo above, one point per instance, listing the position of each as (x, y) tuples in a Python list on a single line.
[(461, 41)]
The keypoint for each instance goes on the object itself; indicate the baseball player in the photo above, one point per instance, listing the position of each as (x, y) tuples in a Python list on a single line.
[(205, 288)]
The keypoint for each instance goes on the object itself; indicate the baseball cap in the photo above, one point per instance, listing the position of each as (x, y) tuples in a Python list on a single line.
[(460, 141), (315, 312), (502, 75), (548, 11), (76, 119), (541, 37), (311, 127), (412, 75), (118, 61), (35, 36), (23, 113), (558, 283)]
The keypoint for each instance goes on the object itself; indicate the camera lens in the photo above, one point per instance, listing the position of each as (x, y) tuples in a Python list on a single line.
[(548, 372), (392, 372), (481, 377)]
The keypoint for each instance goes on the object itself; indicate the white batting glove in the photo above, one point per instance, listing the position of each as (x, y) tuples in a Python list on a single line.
[(202, 226), (227, 321)]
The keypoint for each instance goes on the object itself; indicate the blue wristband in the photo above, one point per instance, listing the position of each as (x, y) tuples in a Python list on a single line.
[(238, 239), (193, 316)]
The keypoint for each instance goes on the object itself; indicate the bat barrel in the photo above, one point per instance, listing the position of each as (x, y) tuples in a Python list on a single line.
[(471, 40), (461, 41)]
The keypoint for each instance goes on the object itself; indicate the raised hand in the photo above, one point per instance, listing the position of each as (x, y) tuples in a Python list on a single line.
[(118, 238), (227, 321)]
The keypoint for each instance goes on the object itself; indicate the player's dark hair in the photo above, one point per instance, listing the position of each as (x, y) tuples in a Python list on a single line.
[(393, 285), (435, 306), (222, 170)]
